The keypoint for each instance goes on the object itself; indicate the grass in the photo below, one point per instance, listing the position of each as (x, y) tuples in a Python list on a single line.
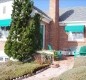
[(73, 74), (80, 61), (12, 70), (78, 72)]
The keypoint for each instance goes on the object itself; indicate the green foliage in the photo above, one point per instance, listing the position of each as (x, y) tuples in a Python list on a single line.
[(77, 73), (56, 55), (24, 35), (43, 58), (10, 70), (47, 58)]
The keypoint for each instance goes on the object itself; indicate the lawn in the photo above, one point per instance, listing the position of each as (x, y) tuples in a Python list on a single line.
[(11, 70), (80, 61), (78, 72)]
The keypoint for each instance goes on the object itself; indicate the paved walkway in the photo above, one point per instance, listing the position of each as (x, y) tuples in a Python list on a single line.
[(54, 72)]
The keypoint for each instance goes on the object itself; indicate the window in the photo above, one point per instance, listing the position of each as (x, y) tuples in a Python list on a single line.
[(4, 33), (77, 36), (4, 9)]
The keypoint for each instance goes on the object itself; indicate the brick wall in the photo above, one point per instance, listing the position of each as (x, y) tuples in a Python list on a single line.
[(2, 43), (54, 25), (47, 33), (63, 40)]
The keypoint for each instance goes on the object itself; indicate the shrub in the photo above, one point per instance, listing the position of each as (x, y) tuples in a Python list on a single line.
[(56, 55), (73, 74), (43, 58), (24, 34)]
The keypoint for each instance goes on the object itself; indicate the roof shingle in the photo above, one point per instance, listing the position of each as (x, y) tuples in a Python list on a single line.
[(72, 14)]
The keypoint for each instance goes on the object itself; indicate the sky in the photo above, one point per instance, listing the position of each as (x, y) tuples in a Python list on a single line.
[(44, 4)]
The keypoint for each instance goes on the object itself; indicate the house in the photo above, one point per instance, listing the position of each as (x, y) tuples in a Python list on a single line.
[(72, 22), (64, 29), (5, 21)]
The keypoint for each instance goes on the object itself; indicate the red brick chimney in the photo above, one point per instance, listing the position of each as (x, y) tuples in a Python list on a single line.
[(54, 25)]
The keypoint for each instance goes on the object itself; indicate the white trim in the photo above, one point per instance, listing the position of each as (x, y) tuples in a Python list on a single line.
[(77, 24), (44, 18), (43, 36), (72, 23)]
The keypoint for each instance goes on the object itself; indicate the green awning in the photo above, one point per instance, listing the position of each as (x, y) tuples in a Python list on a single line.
[(5, 22), (74, 28)]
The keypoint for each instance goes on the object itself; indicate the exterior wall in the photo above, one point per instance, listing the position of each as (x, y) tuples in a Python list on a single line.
[(47, 37), (2, 43), (7, 4), (54, 25), (8, 9), (7, 15), (64, 43)]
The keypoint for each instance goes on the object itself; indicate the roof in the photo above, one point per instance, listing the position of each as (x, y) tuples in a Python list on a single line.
[(41, 12), (46, 18), (72, 14)]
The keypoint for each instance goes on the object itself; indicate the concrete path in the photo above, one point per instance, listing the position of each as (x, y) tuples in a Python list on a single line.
[(53, 72)]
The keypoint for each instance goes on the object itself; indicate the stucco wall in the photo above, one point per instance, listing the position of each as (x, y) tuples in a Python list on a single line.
[(8, 9), (2, 43)]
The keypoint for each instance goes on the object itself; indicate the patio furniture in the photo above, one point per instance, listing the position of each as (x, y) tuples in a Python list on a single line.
[(58, 53), (82, 52), (50, 47), (75, 54)]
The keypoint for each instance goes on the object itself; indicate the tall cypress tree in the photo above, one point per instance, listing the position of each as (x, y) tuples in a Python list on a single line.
[(24, 35)]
